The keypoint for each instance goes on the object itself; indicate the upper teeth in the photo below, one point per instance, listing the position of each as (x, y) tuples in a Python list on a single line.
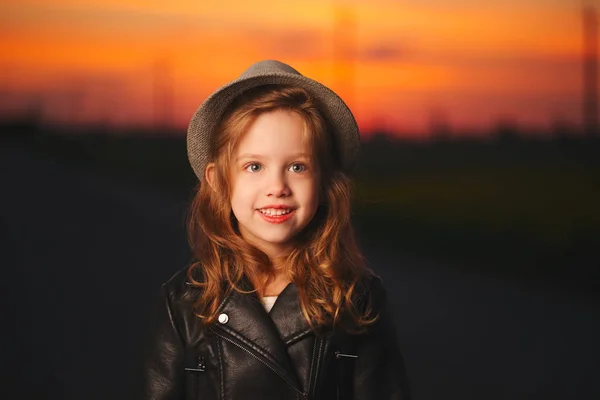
[(275, 211)]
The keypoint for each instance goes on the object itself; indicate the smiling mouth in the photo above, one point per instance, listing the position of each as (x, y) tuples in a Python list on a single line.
[(276, 215)]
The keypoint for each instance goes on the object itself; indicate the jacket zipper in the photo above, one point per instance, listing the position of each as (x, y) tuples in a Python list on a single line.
[(319, 355), (304, 395)]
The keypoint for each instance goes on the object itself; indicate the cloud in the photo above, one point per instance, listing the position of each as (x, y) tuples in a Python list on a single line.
[(381, 52)]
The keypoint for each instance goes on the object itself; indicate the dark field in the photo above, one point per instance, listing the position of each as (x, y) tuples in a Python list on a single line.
[(489, 252), (508, 206)]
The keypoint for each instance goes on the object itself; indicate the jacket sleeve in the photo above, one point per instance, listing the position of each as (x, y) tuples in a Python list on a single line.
[(163, 359), (379, 370)]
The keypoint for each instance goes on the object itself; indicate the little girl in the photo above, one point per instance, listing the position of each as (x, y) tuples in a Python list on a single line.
[(279, 303)]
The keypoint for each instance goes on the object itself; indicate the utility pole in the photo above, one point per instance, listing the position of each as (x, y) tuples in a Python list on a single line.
[(590, 70), (344, 52), (163, 95)]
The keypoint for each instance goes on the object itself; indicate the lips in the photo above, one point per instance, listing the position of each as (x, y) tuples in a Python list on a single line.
[(276, 214)]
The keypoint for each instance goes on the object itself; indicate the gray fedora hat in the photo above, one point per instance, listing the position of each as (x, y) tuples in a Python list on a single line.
[(207, 117)]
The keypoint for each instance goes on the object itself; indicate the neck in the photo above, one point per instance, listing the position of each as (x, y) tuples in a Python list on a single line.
[(275, 252), (274, 285), (272, 282), (278, 275)]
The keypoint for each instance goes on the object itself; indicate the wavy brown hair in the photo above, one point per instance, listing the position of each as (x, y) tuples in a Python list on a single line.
[(326, 264)]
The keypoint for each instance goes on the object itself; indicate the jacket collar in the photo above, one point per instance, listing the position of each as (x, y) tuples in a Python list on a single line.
[(287, 316)]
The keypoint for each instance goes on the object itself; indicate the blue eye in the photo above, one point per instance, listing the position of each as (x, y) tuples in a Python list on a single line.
[(253, 167), (297, 168)]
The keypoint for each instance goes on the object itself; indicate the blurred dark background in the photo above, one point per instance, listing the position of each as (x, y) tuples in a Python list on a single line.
[(487, 234)]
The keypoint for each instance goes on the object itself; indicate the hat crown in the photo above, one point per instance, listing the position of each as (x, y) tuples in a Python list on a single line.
[(268, 67)]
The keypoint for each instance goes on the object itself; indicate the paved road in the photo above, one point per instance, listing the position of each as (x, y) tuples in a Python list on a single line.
[(84, 254)]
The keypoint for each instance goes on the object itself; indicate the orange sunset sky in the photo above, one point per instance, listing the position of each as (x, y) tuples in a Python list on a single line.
[(400, 64)]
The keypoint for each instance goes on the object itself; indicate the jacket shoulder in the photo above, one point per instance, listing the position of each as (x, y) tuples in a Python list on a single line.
[(371, 290), (180, 287)]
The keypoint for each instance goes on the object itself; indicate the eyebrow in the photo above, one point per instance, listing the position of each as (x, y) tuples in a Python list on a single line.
[(259, 157)]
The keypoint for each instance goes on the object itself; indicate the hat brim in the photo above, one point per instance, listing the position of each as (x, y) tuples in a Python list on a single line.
[(205, 120)]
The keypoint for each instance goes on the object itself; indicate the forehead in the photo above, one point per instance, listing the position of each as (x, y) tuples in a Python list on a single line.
[(275, 133)]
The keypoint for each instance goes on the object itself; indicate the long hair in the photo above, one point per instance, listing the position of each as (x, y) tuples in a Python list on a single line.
[(326, 264)]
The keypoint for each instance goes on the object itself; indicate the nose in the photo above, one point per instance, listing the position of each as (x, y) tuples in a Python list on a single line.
[(277, 185)]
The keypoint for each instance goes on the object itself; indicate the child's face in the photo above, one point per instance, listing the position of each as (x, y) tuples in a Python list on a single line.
[(275, 182)]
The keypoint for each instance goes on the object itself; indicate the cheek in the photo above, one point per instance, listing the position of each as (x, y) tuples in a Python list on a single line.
[(237, 200), (242, 194)]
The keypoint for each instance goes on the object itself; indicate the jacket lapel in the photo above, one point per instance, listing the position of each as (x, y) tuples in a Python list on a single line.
[(243, 320), (287, 316)]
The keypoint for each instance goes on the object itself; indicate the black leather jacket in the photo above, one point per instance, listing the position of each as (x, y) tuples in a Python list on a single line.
[(250, 354)]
